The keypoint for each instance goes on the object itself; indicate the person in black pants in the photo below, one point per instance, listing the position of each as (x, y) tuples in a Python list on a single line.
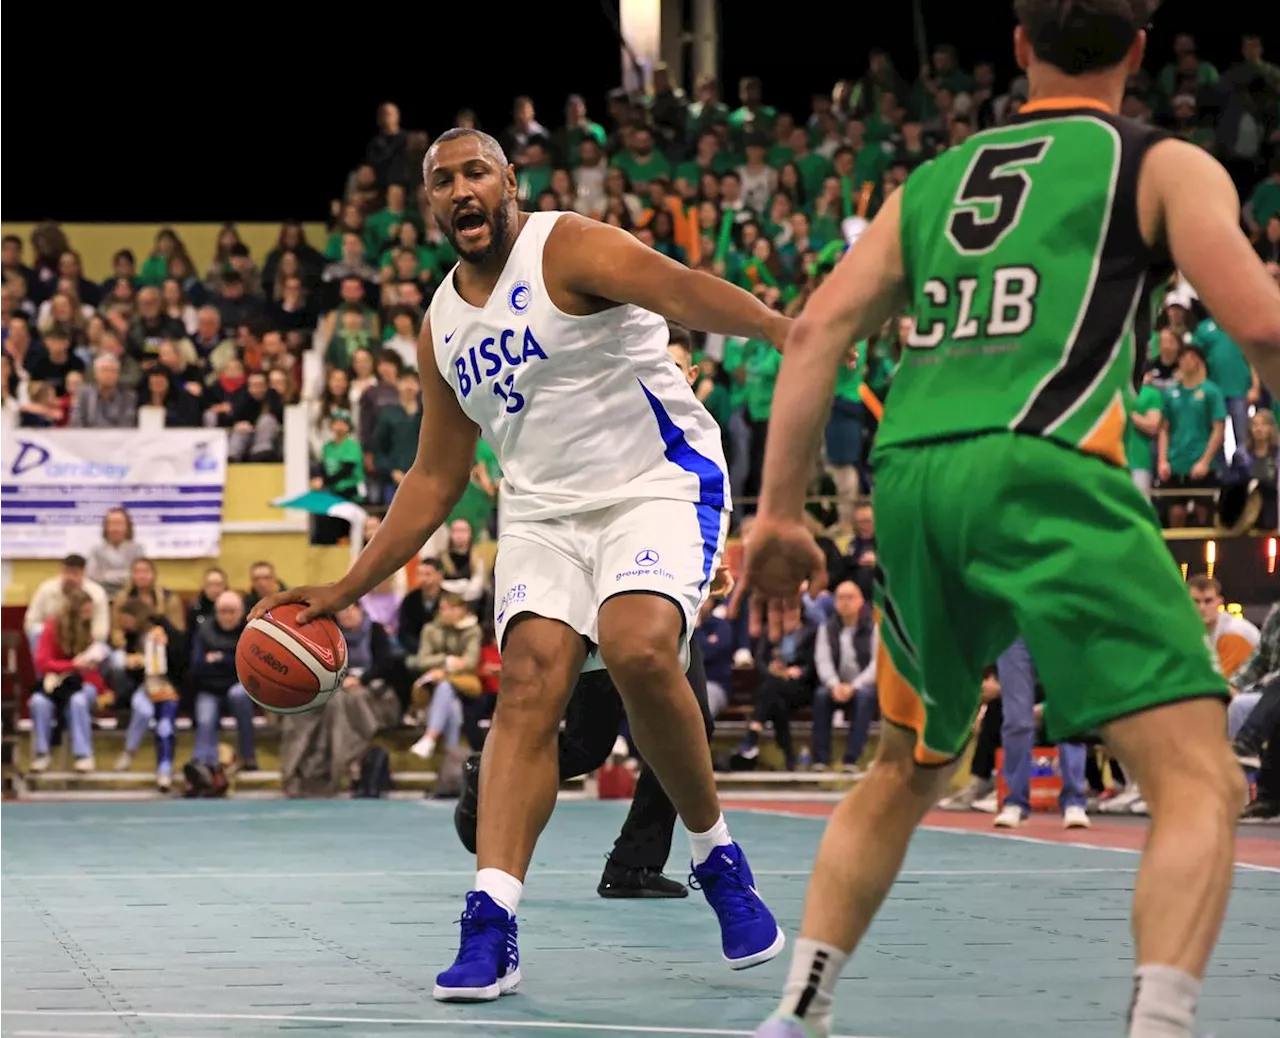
[(592, 722)]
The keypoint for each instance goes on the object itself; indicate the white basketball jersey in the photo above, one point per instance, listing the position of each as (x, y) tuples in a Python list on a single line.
[(582, 412)]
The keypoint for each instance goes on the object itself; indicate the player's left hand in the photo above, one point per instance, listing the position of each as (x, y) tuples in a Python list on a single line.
[(781, 555)]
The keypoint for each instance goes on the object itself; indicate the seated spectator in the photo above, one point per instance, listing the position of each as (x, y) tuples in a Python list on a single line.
[(405, 322), (372, 399), (263, 581), (256, 419), (1191, 435), (419, 606), (151, 326), (784, 683), (845, 660), (235, 302), (51, 595), (1232, 638), (211, 344), (106, 404), (860, 559), (222, 392), (111, 559), (714, 634), (448, 661), (180, 406), (52, 364), (212, 585), (336, 397), (341, 461), (292, 309), (466, 573), (68, 657), (142, 586), (156, 655), (321, 750), (176, 304), (180, 371), (217, 688), (395, 436), (351, 334)]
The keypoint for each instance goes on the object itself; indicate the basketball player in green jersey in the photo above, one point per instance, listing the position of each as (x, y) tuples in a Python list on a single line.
[(1003, 505)]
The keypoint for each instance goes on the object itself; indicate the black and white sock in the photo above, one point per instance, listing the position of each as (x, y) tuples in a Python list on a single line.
[(810, 990)]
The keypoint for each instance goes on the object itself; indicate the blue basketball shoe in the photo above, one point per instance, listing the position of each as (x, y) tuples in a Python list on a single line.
[(749, 935), (488, 962)]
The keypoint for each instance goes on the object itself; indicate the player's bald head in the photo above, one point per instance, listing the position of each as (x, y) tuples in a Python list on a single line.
[(490, 148)]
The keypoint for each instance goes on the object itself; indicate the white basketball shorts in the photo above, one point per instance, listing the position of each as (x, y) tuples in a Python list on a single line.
[(566, 568)]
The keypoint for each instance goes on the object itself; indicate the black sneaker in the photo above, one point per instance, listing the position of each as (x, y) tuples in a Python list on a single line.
[(1260, 810), (620, 881), (1248, 757), (466, 814)]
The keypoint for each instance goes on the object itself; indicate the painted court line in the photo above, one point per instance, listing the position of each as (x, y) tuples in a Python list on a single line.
[(112, 877), (782, 812), (282, 1018)]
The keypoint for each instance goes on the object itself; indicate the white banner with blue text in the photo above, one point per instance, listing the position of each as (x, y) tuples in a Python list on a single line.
[(57, 485)]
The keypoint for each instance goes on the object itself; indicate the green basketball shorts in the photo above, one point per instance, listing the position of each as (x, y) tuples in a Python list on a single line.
[(983, 539)]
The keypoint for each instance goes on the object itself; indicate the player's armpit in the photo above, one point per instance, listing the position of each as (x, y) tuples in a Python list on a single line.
[(593, 259), (1186, 198), (866, 288)]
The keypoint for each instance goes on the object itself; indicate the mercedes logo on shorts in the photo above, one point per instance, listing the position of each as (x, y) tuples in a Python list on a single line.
[(647, 557)]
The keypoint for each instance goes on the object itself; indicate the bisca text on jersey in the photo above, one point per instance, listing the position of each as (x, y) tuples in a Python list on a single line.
[(488, 361)]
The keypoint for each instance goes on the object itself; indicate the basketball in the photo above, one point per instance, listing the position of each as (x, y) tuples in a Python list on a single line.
[(287, 668)]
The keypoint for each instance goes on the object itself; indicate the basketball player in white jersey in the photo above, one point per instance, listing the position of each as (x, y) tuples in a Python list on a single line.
[(550, 337)]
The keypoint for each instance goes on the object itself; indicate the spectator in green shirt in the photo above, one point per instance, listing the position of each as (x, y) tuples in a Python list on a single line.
[(640, 161), (763, 362), (341, 460), (383, 227), (577, 128), (1191, 434), (1264, 201), (707, 109), (534, 176), (155, 268), (1145, 416), (1230, 372), (753, 116), (734, 365)]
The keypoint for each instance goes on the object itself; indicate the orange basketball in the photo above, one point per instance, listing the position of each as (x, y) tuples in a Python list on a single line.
[(287, 668)]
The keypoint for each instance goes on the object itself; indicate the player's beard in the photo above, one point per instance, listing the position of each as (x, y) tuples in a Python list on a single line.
[(499, 226)]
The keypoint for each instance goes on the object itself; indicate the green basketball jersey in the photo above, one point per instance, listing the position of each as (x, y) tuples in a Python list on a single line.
[(1029, 282)]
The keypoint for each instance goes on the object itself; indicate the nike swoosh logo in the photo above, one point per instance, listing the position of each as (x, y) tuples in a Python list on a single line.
[(450, 336)]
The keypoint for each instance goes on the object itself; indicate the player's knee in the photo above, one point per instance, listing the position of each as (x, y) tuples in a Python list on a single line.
[(640, 656), (1205, 777), (527, 700)]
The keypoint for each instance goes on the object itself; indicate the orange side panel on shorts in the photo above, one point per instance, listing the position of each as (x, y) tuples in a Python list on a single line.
[(901, 704), (1233, 650), (1107, 438)]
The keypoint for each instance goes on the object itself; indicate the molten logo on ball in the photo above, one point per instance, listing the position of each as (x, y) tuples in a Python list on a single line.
[(279, 666)]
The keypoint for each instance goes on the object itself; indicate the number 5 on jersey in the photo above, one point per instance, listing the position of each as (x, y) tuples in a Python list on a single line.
[(987, 207)]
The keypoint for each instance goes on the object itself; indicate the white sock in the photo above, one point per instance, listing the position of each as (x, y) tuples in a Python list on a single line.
[(702, 844), (810, 990), (1164, 1003), (503, 887)]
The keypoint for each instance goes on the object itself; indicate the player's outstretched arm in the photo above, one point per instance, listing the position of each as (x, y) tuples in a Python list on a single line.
[(865, 289), (595, 259), (431, 487), (1186, 198)]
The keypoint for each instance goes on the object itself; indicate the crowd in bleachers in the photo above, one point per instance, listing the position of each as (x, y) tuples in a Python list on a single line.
[(765, 198)]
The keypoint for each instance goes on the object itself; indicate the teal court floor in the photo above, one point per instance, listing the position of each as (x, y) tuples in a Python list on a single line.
[(208, 919)]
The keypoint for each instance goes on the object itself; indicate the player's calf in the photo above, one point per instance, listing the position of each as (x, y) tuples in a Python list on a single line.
[(1194, 790)]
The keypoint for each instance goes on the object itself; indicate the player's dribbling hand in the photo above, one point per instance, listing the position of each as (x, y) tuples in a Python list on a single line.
[(319, 599), (780, 557)]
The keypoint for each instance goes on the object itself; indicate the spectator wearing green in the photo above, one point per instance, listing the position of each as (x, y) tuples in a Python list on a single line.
[(640, 161), (352, 334), (395, 436), (814, 167), (707, 110), (534, 172), (155, 268), (1229, 371), (1185, 68), (383, 227), (944, 73), (708, 158), (763, 362), (341, 460), (736, 354), (1190, 436), (1145, 415), (1263, 203), (753, 115), (480, 498), (577, 128)]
